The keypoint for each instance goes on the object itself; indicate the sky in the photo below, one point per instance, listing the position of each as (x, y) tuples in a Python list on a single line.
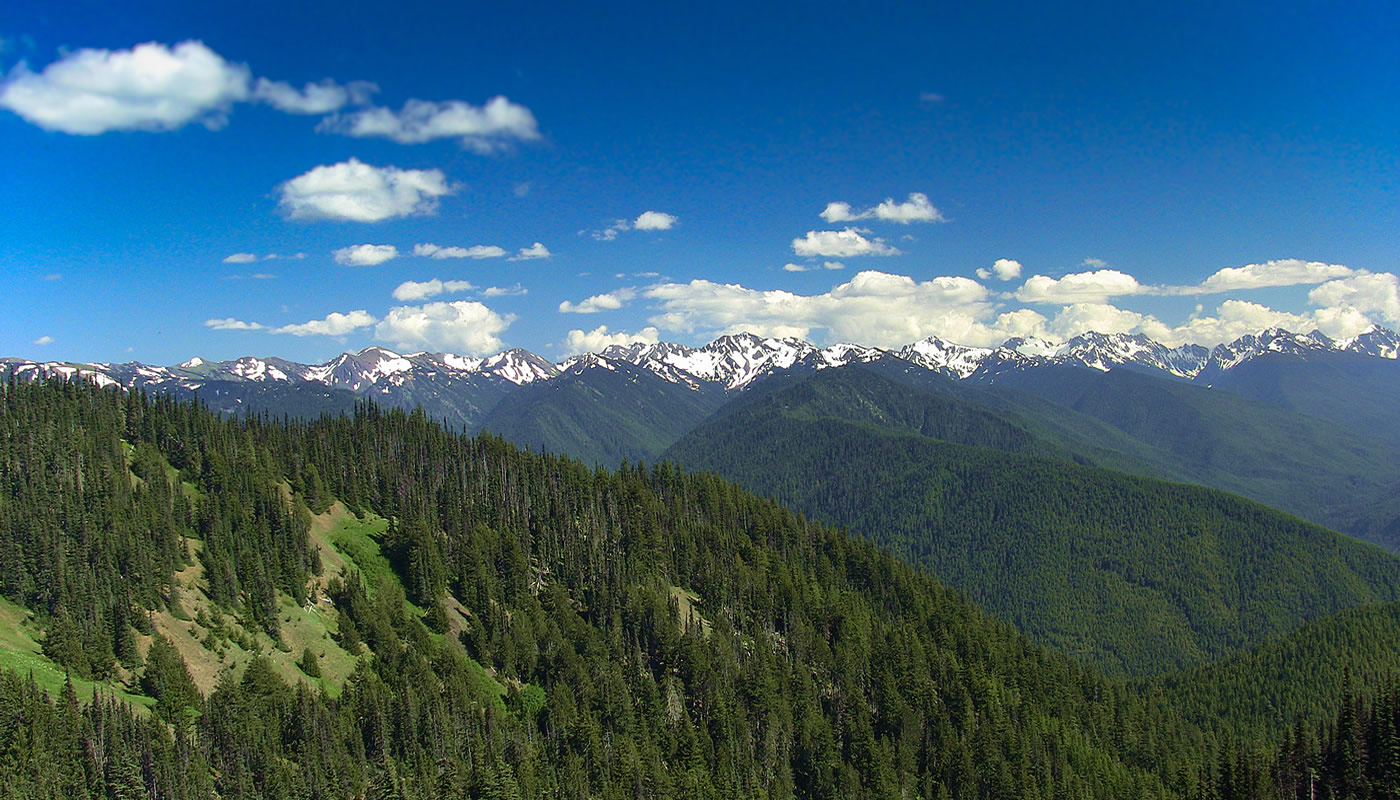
[(222, 180)]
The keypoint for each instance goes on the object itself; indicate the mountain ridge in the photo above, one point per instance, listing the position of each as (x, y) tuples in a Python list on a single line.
[(734, 360)]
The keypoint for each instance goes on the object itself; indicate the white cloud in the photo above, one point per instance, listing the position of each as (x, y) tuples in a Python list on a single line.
[(429, 250), (1003, 268), (334, 324), (1283, 272), (421, 290), (532, 252), (598, 339), (916, 209), (646, 221), (462, 326), (504, 291), (655, 221), (1230, 320), (358, 192), (1377, 293), (366, 255), (231, 324), (44, 340), (873, 308), (484, 129), (1080, 318), (150, 87), (249, 258), (608, 301), (846, 243), (1233, 319), (54, 276), (790, 267), (314, 98), (1096, 263), (1078, 287)]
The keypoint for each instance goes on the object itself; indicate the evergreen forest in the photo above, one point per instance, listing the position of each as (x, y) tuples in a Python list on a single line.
[(372, 606)]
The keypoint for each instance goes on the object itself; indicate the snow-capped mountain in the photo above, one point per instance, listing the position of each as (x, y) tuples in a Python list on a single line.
[(944, 357), (1274, 340), (1107, 351), (738, 360), (462, 389)]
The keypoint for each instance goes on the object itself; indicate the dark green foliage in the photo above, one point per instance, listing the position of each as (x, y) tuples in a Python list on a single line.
[(602, 416), (808, 663), (1257, 693), (95, 524), (640, 633), (1082, 559), (309, 663), (167, 679)]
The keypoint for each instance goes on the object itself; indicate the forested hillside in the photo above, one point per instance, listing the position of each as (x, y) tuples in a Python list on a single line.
[(1134, 575), (1308, 465), (1310, 386), (535, 628), (602, 415)]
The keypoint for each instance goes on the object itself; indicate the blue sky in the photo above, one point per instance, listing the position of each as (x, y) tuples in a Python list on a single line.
[(876, 173)]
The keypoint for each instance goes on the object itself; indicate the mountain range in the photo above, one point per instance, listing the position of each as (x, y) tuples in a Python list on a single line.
[(730, 363)]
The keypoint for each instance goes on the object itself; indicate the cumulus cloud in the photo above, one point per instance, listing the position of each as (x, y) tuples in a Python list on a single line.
[(334, 324), (462, 326), (150, 87), (504, 291), (580, 341), (240, 258), (1232, 319), (1377, 293), (421, 290), (655, 221), (366, 255), (873, 308), (315, 98), (608, 301), (1283, 272), (429, 250), (532, 252), (1078, 287), (646, 221), (44, 340), (484, 129), (357, 192), (231, 324), (1003, 268), (846, 243), (1096, 263), (1080, 318), (916, 209)]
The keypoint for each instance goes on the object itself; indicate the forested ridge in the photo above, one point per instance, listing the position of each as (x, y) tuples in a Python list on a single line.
[(1083, 559), (656, 634)]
